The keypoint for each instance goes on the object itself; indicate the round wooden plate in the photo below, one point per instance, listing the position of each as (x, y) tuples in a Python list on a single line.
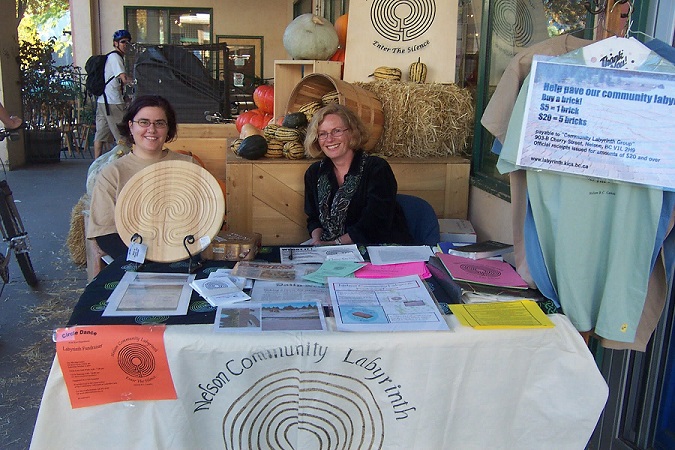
[(166, 202)]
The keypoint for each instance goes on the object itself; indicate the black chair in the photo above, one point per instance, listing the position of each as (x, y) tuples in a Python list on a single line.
[(421, 219)]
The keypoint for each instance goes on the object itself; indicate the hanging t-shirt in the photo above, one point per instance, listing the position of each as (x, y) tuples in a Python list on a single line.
[(597, 237), (496, 118)]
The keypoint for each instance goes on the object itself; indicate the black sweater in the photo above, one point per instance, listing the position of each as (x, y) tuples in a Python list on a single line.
[(373, 216)]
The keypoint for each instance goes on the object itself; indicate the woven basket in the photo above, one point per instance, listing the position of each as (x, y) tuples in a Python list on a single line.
[(363, 103)]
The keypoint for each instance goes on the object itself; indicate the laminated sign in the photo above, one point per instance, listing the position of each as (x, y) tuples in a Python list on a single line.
[(395, 33)]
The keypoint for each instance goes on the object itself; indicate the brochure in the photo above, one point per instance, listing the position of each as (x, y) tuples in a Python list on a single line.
[(286, 291), (483, 271), (491, 316), (150, 294), (333, 269), (397, 254), (392, 304), (270, 316), (304, 255), (272, 271)]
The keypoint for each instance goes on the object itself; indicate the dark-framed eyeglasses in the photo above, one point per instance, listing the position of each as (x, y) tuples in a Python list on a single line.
[(335, 132), (145, 123), (124, 41)]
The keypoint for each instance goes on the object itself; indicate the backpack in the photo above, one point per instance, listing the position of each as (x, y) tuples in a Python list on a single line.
[(95, 67)]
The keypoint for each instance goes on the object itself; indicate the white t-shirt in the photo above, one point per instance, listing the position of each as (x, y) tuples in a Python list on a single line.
[(114, 66)]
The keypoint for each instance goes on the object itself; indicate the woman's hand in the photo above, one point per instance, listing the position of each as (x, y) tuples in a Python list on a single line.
[(316, 237)]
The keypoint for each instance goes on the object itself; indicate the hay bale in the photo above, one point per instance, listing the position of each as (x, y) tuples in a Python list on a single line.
[(423, 120), (76, 239)]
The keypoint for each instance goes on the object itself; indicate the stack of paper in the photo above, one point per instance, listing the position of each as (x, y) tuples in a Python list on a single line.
[(221, 288), (481, 250), (456, 230), (458, 291)]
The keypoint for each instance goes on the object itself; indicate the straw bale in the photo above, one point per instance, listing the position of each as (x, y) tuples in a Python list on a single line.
[(423, 120), (76, 239)]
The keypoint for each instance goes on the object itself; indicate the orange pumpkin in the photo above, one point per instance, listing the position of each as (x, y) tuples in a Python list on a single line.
[(339, 55), (259, 118), (255, 117), (341, 29), (263, 97)]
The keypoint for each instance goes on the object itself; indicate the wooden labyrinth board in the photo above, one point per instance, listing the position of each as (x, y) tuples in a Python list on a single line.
[(166, 202)]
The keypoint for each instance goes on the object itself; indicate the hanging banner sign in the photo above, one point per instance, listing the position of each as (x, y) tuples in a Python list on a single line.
[(395, 33), (604, 123)]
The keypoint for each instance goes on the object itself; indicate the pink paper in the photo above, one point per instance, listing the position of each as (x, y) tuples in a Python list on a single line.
[(393, 270), (484, 271)]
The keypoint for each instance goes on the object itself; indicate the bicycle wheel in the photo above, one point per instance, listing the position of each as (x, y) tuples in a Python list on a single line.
[(12, 227), (26, 267)]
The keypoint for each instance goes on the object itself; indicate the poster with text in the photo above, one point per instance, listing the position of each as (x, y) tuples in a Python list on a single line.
[(114, 363), (600, 122)]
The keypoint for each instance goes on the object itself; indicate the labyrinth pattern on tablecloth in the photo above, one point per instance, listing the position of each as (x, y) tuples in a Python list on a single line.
[(402, 20), (512, 22), (291, 409), (136, 360)]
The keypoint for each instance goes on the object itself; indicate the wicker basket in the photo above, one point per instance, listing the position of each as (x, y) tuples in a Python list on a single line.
[(363, 103)]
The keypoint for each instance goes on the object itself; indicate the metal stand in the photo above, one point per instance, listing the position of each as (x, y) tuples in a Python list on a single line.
[(194, 262)]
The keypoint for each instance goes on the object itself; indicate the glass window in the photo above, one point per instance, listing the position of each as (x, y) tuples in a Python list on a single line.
[(332, 9), (169, 25), (301, 7), (509, 27)]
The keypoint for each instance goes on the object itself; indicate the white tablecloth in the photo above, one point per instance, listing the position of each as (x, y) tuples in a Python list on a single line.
[(466, 389)]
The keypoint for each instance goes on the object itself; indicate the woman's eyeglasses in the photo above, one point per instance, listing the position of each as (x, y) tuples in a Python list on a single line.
[(145, 123), (335, 132)]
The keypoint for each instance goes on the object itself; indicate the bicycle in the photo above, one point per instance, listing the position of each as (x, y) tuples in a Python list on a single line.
[(13, 233)]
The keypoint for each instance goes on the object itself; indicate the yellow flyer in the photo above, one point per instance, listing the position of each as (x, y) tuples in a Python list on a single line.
[(500, 315), (114, 363)]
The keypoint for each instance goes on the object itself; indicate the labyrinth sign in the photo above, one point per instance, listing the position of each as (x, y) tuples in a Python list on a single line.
[(395, 33)]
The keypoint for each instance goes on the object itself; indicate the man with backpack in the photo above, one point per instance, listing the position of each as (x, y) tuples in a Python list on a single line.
[(110, 105)]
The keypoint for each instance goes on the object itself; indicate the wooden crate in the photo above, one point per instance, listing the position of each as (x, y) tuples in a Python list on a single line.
[(266, 196), (209, 142), (288, 73)]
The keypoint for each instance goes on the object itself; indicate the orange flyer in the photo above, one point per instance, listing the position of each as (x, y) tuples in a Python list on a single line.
[(114, 363)]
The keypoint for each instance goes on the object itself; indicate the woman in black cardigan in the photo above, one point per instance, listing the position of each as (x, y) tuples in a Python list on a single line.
[(350, 196)]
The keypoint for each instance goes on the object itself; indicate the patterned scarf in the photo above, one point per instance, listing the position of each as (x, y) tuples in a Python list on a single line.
[(334, 214)]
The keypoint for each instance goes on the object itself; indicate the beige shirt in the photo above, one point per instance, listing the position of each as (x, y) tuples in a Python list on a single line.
[(498, 111), (109, 184)]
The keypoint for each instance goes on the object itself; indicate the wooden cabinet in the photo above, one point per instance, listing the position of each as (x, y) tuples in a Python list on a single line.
[(288, 73), (266, 196)]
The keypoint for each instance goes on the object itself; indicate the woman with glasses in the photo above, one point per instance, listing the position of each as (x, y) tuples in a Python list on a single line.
[(350, 196), (149, 122)]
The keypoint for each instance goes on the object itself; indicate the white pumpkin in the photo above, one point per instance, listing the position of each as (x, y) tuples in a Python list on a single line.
[(310, 37)]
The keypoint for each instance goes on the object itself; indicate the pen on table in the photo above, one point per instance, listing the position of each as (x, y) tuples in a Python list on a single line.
[(290, 254)]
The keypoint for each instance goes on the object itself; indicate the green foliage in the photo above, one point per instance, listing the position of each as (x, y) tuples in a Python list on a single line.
[(28, 26), (46, 8), (48, 91)]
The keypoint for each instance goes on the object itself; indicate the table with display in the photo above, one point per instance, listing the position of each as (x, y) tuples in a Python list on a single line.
[(463, 388)]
